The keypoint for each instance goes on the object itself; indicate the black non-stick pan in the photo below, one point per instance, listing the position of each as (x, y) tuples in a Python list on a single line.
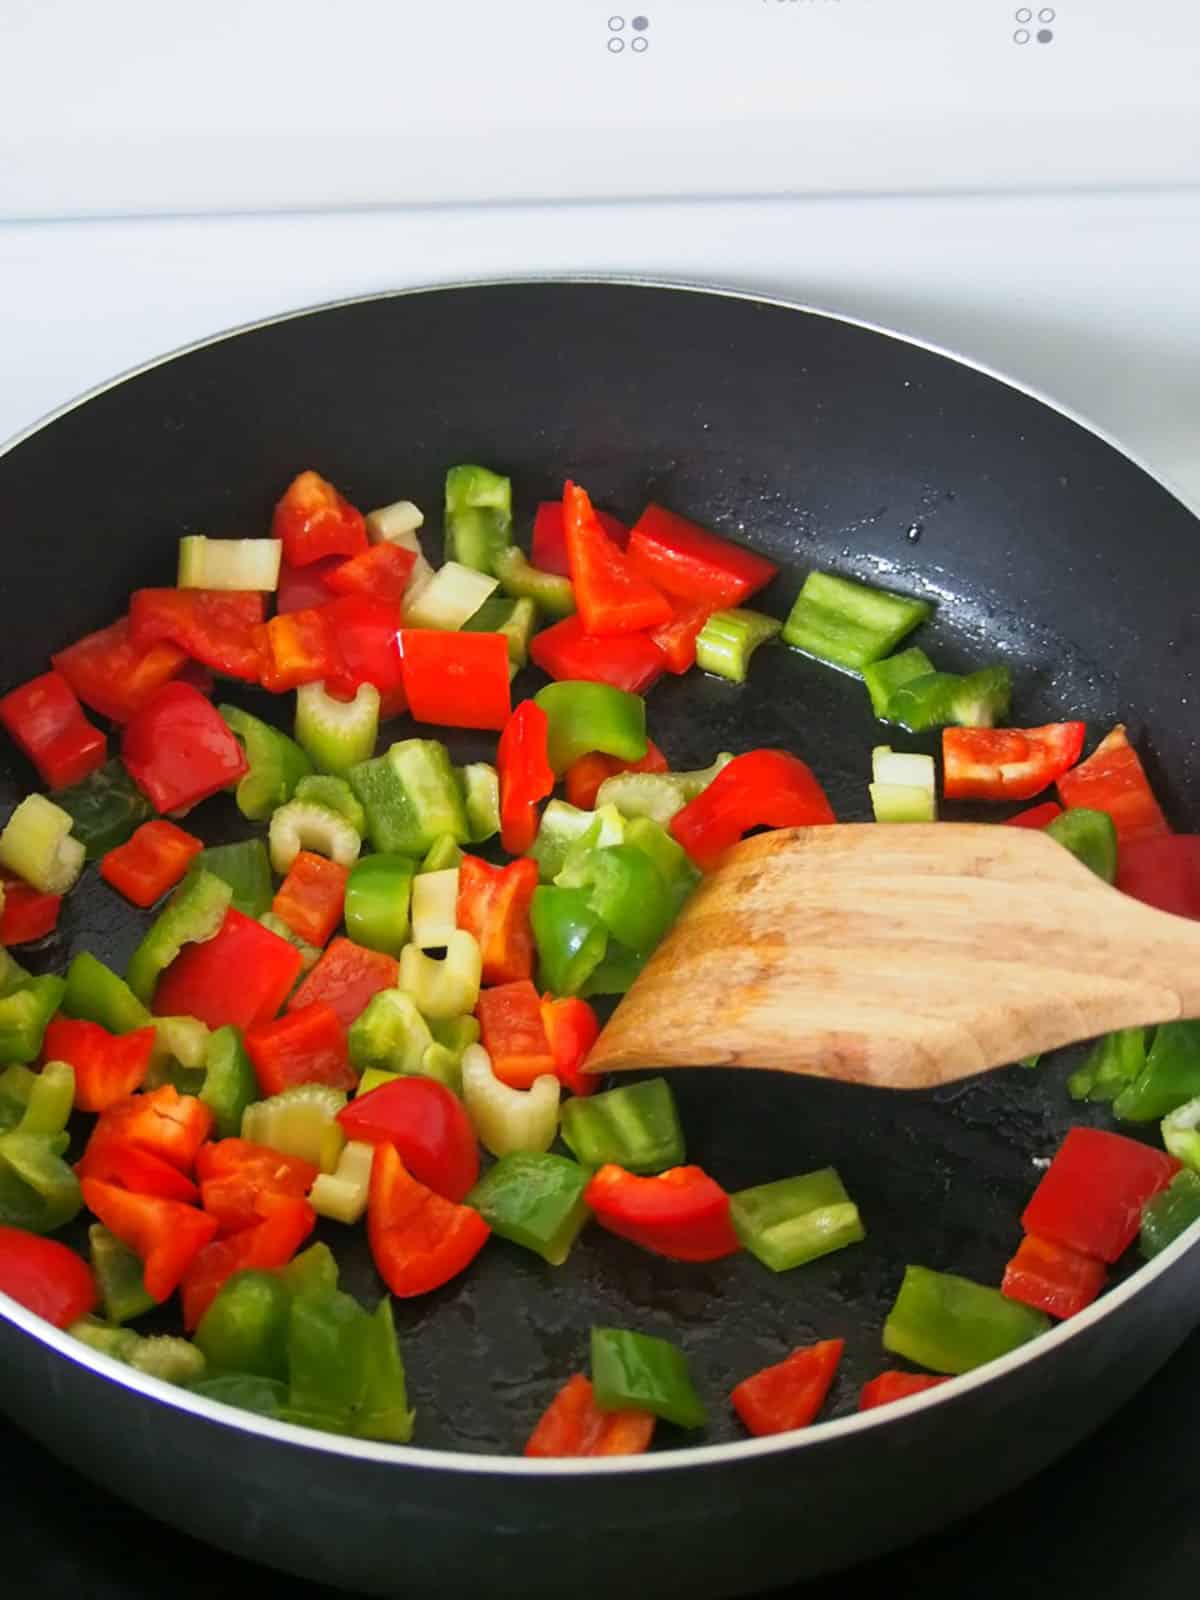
[(822, 443)]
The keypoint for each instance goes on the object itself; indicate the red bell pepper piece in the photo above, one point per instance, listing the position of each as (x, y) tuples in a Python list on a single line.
[(241, 976), (301, 588), (889, 1386), (584, 777), (762, 787), (113, 675), (166, 1235), (692, 563), (572, 1027), (459, 680), (162, 1123), (108, 1066), (269, 1244), (677, 638), (526, 777), (382, 572), (1112, 779), (493, 906), (426, 1124), (789, 1394), (681, 1213), (549, 551), (574, 1425), (1162, 871), (1092, 1194), (47, 724), (110, 1159), (312, 896), (1036, 816), (215, 626), (307, 1045), (28, 914), (418, 1239), (241, 1184), (513, 1034), (346, 977), (151, 862), (1052, 1277), (297, 648), (313, 520), (366, 633), (179, 750), (610, 597), (1007, 763), (633, 661), (45, 1277)]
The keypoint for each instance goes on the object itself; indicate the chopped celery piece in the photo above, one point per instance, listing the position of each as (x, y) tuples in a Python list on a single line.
[(342, 1193), (521, 580), (38, 1190), (13, 975), (1089, 835), (323, 789), (442, 854), (193, 914), (536, 1200), (245, 868), (117, 1343), (296, 1122), (729, 638), (118, 1273), (310, 954), (395, 524), (636, 1127), (304, 825), (478, 513), (391, 1035), (37, 845), (849, 624), (796, 1220), (375, 1078), (515, 619), (1181, 1133), (451, 598), (883, 678), (172, 1359), (434, 908), (179, 1042), (277, 764), (561, 826), (508, 1120), (440, 1063), (446, 988), (336, 734), (95, 994), (455, 1033), (946, 699), (480, 783), (105, 808), (657, 795), (229, 563), (606, 827), (1114, 1060), (411, 797), (905, 786)]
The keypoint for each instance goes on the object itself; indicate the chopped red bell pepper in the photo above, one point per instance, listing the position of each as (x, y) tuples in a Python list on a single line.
[(45, 1277), (366, 633), (151, 862), (1036, 816), (28, 914), (166, 1235), (178, 749), (301, 588), (108, 1066), (241, 1183), (218, 627), (1112, 779), (47, 724), (418, 1239), (549, 552), (584, 777), (241, 976), (574, 1425), (1007, 763), (1092, 1194), (789, 1394), (889, 1386), (110, 1159), (609, 596), (677, 638), (113, 675), (426, 1124), (161, 1123), (297, 648), (693, 563), (459, 680), (513, 1034), (572, 1027), (493, 906), (312, 896), (633, 661), (1162, 871), (526, 777), (346, 977), (762, 787), (381, 572), (269, 1244), (307, 1045), (313, 520), (1052, 1277), (681, 1213)]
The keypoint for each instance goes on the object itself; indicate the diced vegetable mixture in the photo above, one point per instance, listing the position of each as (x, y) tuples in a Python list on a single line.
[(354, 1014)]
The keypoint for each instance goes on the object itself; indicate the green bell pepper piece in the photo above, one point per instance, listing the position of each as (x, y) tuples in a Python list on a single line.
[(636, 1127), (246, 869), (1180, 1132), (1114, 1062), (478, 517), (480, 785), (95, 994), (586, 717), (16, 1085), (38, 1190), (265, 1396), (1170, 1077), (313, 1272), (391, 1035), (24, 1014), (105, 808), (245, 1328), (13, 975), (729, 638), (951, 1324), (629, 896), (849, 624), (456, 1034), (536, 1201), (948, 699), (515, 619), (675, 866), (521, 580), (657, 795), (1169, 1213), (378, 892), (277, 764), (118, 1273), (883, 678), (443, 1064), (796, 1220), (411, 797), (634, 1371), (571, 939), (442, 854), (616, 972), (335, 794), (344, 1367), (561, 826), (229, 1083), (383, 1409), (194, 913), (1090, 835)]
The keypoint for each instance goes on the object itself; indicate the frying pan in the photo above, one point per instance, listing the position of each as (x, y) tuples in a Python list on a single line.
[(822, 443)]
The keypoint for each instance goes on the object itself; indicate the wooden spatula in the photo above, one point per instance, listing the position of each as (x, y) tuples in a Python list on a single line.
[(902, 955)]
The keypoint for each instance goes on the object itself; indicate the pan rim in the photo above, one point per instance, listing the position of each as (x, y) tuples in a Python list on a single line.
[(685, 1456)]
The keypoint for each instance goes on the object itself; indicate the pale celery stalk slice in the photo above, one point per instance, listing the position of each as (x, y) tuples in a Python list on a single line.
[(508, 1120), (37, 845), (229, 563), (296, 1122), (904, 787), (302, 825), (451, 597), (337, 734), (342, 1193), (443, 989), (434, 908)]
